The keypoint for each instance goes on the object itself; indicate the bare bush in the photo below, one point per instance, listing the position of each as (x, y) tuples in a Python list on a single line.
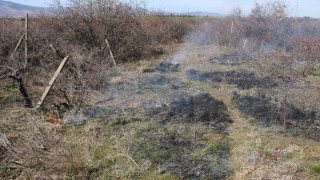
[(308, 51), (131, 32), (269, 28), (79, 30)]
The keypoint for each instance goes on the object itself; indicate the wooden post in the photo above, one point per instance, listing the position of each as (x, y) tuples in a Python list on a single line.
[(244, 46), (52, 81), (56, 51), (232, 27), (19, 43), (26, 41), (111, 54), (231, 32)]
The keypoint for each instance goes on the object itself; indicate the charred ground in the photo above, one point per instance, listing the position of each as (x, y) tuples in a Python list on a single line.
[(184, 101)]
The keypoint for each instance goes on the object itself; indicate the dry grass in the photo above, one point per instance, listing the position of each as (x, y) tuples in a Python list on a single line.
[(258, 153), (106, 147)]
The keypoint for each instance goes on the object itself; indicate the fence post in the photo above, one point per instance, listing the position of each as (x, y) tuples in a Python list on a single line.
[(26, 41), (111, 54), (52, 81), (231, 32)]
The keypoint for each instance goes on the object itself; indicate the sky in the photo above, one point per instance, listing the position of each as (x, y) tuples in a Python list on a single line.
[(305, 7)]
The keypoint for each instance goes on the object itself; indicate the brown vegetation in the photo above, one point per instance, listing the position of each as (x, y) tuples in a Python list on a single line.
[(136, 120), (80, 30)]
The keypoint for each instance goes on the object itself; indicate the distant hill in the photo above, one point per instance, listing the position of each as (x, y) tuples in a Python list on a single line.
[(12, 9), (8, 8), (198, 14), (204, 14)]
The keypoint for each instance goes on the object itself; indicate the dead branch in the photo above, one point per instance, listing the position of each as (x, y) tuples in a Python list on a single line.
[(7, 67), (130, 158)]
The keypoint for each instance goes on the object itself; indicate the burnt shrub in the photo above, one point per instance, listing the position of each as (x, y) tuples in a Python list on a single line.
[(269, 112)]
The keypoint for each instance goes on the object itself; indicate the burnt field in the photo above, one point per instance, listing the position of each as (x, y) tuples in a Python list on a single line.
[(170, 109), (110, 90), (242, 79), (176, 128), (261, 98)]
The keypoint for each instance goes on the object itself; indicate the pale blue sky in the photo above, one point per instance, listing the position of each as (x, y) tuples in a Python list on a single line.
[(306, 7)]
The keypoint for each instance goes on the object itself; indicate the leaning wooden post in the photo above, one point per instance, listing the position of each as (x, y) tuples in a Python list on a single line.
[(26, 41), (111, 54), (244, 44), (243, 47), (19, 43), (52, 81)]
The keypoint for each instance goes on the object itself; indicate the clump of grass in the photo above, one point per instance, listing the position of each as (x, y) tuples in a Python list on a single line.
[(315, 167), (315, 149), (288, 156), (252, 120), (179, 149), (314, 70)]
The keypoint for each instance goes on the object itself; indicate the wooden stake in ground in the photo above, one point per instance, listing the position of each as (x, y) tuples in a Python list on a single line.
[(244, 44), (232, 28), (111, 54), (26, 41), (56, 51), (52, 81), (231, 32), (243, 47), (19, 43)]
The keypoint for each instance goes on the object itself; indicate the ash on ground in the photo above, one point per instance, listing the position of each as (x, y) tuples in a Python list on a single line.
[(191, 157), (165, 101), (193, 109), (267, 112), (242, 79), (164, 67), (226, 59), (158, 97)]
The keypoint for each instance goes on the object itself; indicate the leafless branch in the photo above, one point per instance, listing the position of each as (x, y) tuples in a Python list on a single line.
[(7, 67), (4, 77)]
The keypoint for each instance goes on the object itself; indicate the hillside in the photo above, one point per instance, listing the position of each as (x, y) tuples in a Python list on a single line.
[(8, 8), (204, 14), (197, 14)]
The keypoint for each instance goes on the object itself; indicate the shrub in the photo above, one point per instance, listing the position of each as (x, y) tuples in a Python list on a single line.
[(79, 30)]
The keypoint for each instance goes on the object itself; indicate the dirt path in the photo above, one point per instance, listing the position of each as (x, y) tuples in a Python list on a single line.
[(256, 152)]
